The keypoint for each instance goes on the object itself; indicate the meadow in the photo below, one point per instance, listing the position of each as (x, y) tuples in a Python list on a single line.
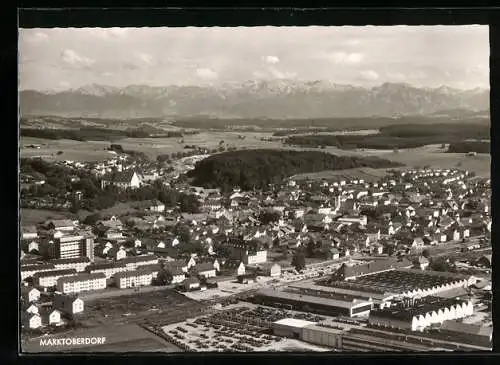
[(429, 155)]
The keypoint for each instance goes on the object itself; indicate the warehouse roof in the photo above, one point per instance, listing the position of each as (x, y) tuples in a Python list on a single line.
[(293, 322), (311, 299)]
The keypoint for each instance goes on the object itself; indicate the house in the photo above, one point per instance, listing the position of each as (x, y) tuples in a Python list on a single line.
[(430, 240), (241, 269), (361, 219), (175, 274), (68, 304), (421, 263), (29, 232), (377, 248), (62, 225), (30, 294), (190, 263), (128, 179), (177, 264), (417, 242), (335, 254), (246, 278), (33, 309), (131, 279), (191, 283), (453, 235), (32, 321), (205, 270), (113, 224), (216, 264), (50, 316), (116, 253), (156, 206)]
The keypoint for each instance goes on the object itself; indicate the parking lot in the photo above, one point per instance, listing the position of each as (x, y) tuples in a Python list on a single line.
[(241, 328)]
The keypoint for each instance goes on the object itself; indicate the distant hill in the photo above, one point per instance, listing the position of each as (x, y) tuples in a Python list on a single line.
[(258, 168), (253, 99)]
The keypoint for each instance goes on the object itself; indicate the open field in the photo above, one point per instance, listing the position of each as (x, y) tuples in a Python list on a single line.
[(158, 307), (152, 147), (35, 216), (118, 338), (431, 155)]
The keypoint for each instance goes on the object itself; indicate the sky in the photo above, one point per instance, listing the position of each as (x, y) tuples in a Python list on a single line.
[(424, 56)]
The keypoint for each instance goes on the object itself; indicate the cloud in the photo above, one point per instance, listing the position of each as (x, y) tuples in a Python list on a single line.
[(129, 66), (272, 60), (72, 58), (206, 74), (64, 84), (107, 74), (282, 74), (370, 75), (146, 58), (37, 37), (345, 57), (352, 42), (417, 74), (396, 76)]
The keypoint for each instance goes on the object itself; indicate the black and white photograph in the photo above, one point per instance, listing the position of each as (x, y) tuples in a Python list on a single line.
[(255, 189)]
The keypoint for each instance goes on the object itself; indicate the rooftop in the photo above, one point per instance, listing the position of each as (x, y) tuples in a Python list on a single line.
[(310, 299), (293, 322)]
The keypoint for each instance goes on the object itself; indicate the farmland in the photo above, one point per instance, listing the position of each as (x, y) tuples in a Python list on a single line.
[(432, 155), (118, 338), (152, 147)]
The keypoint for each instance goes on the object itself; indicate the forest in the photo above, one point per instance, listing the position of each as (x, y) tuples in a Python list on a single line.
[(291, 125), (398, 136), (97, 134), (470, 146), (258, 169)]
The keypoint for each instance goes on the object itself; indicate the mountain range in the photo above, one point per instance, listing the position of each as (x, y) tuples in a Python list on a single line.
[(252, 99)]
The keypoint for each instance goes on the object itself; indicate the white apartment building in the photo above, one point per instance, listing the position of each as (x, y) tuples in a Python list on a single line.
[(81, 283)]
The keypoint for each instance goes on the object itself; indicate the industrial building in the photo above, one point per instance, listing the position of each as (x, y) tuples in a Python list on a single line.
[(330, 306), (380, 298), (362, 339), (349, 271), (406, 282), (416, 315)]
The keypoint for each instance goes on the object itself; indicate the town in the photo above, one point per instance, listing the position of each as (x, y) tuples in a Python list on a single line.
[(394, 263)]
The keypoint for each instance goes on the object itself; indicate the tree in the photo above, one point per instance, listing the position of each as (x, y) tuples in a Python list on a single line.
[(268, 216), (189, 204), (92, 219), (163, 278), (183, 233), (426, 253), (441, 264), (310, 248), (299, 260)]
